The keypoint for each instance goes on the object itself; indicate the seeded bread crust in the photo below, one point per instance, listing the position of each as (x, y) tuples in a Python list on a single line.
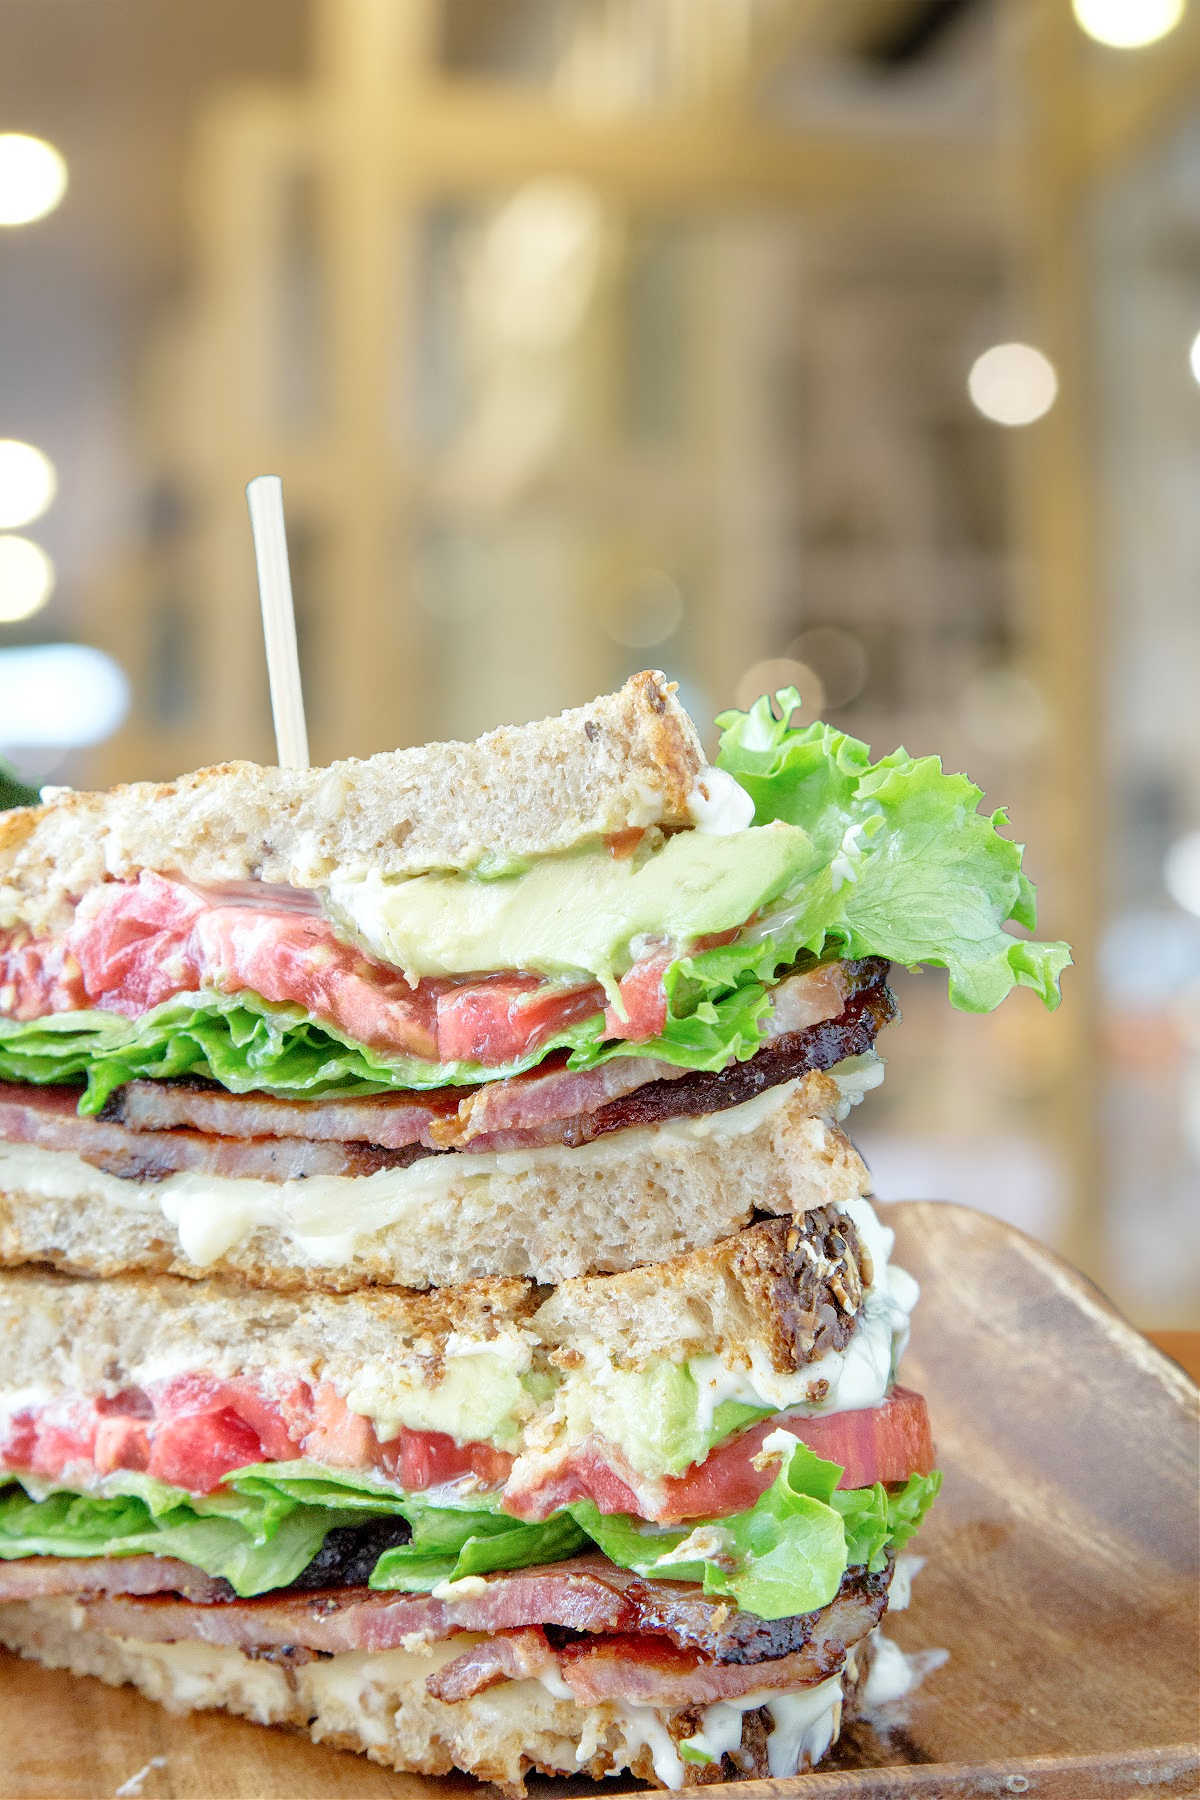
[(628, 759)]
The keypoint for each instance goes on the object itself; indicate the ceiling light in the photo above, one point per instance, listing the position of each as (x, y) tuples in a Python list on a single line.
[(1012, 384), (33, 178), (1128, 24), (59, 696), (28, 483), (26, 579)]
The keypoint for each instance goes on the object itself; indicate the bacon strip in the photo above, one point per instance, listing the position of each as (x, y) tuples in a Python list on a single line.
[(46, 1117), (390, 1121), (649, 1671), (34, 1577), (583, 1594), (509, 1656)]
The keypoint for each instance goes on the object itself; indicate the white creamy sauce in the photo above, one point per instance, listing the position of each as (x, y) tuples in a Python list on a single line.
[(718, 804), (470, 1587), (803, 1726), (894, 1673), (643, 1729), (907, 1568)]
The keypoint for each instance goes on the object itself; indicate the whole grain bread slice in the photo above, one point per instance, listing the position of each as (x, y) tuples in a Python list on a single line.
[(787, 1290), (625, 760)]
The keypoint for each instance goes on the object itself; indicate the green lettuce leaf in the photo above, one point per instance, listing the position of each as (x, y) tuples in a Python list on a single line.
[(906, 865), (452, 1537), (253, 1545), (784, 1555)]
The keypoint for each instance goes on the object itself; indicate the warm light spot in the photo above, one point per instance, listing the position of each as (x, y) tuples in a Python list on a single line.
[(838, 658), (59, 695), (1012, 384), (33, 178), (27, 483), (1194, 356), (650, 613), (776, 672), (1181, 871), (1128, 24), (26, 579)]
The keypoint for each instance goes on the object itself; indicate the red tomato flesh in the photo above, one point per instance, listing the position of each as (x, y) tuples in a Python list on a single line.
[(878, 1443)]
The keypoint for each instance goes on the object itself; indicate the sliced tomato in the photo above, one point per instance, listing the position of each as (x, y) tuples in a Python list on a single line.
[(644, 999), (17, 1439), (37, 976), (288, 956), (264, 1416), (878, 1443), (337, 1435), (622, 844), (881, 1443), (197, 1450), (121, 1443), (65, 1436), (424, 1459), (502, 1017), (587, 1475), (130, 1403), (135, 944), (188, 1393)]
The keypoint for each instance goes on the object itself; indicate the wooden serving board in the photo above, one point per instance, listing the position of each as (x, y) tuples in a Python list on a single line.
[(1061, 1578)]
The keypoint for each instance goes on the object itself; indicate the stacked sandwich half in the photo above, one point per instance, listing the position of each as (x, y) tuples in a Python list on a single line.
[(440, 1308)]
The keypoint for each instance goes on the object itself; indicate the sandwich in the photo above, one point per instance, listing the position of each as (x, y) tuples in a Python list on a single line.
[(442, 1309)]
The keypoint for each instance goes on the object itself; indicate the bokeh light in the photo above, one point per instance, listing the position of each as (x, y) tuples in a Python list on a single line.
[(776, 672), (1012, 384), (1128, 24), (59, 695), (28, 483), (26, 581), (837, 658), (33, 178), (1181, 872), (650, 612)]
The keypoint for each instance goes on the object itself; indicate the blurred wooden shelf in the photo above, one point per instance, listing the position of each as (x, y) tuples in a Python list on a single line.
[(1182, 1347)]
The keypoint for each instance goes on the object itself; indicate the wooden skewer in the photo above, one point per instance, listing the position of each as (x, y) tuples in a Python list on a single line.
[(264, 495)]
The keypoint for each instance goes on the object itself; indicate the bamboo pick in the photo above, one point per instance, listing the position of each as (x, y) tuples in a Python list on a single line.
[(264, 496)]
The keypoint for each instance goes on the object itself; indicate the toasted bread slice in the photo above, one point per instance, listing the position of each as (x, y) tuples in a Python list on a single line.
[(781, 1290), (636, 1196), (625, 760), (380, 1703)]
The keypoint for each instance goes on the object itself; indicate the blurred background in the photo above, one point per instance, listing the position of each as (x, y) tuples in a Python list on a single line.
[(854, 343)]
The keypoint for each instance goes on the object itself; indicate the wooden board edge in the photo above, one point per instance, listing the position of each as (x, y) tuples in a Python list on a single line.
[(1172, 1769)]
